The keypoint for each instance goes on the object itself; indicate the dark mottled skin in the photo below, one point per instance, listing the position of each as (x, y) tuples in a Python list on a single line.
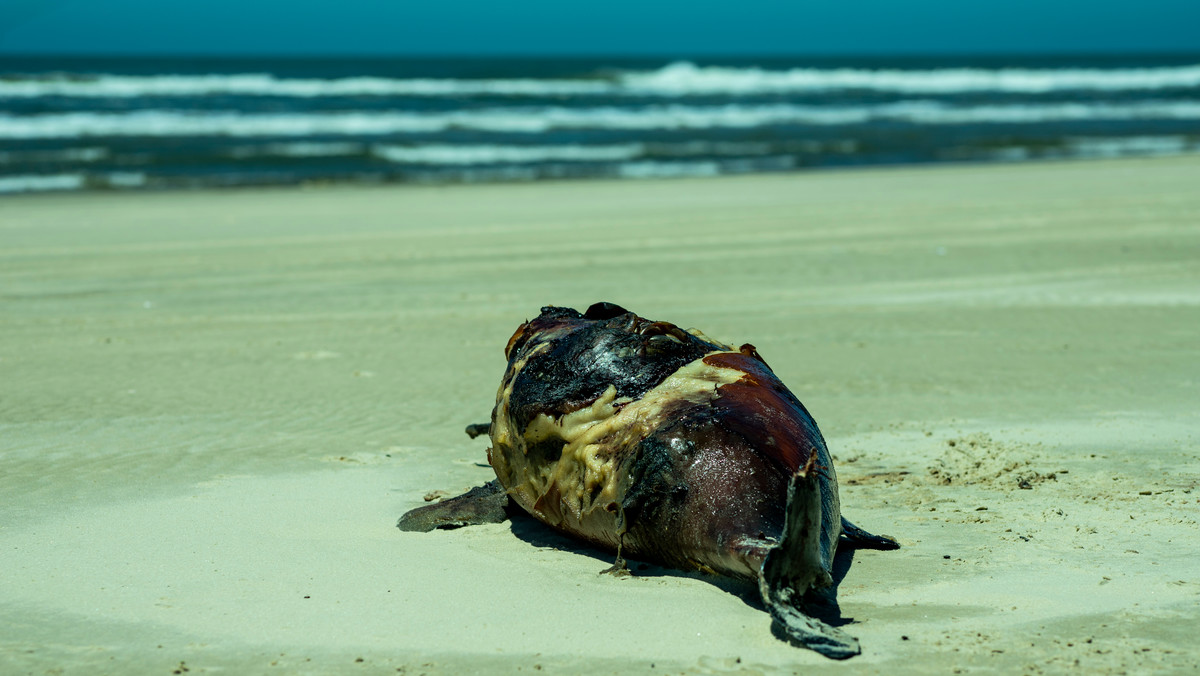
[(709, 489), (738, 481), (600, 349), (705, 491)]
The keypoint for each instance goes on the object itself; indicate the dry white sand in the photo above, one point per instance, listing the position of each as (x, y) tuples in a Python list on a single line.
[(214, 406)]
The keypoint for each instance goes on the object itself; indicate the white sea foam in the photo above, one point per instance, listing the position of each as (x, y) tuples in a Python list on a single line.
[(444, 154), (677, 169), (50, 182), (161, 123), (497, 154), (930, 112), (1141, 146), (56, 155), (41, 182), (685, 78), (668, 169), (676, 79), (125, 179), (1089, 147), (299, 149), (261, 84)]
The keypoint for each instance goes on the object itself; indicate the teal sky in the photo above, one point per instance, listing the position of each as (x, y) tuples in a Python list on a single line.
[(614, 27)]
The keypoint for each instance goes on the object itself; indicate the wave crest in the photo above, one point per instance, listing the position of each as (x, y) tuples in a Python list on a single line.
[(163, 123), (673, 80), (684, 78)]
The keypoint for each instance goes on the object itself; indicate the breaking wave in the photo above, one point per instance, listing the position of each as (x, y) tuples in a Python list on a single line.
[(674, 80), (443, 155), (686, 78), (158, 123)]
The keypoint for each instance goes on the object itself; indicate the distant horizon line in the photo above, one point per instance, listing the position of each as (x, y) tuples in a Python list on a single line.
[(602, 55)]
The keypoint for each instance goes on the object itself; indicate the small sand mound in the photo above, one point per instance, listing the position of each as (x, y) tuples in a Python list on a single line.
[(977, 459), (878, 478)]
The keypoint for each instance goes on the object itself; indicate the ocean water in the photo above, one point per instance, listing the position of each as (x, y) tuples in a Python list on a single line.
[(124, 124)]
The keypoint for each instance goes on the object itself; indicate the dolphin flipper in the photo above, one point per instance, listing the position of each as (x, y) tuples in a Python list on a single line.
[(855, 537), (483, 504)]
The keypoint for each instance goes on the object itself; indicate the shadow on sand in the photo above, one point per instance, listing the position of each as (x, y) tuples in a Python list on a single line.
[(822, 606)]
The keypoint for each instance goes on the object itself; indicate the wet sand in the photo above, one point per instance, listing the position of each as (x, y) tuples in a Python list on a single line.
[(214, 406)]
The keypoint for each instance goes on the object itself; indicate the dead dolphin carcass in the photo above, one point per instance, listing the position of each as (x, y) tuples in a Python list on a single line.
[(664, 445)]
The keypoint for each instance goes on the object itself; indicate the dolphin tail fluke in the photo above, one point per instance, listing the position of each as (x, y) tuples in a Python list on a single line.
[(795, 565)]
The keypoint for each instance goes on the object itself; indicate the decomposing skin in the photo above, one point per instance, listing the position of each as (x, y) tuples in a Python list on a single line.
[(665, 446)]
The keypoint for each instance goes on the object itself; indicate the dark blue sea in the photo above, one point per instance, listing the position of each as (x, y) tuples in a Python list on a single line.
[(147, 123)]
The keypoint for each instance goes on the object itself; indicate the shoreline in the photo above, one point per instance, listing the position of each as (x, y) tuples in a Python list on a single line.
[(335, 185), (215, 404)]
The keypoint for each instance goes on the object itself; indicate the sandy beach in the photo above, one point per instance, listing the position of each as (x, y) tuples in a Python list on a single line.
[(215, 405)]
